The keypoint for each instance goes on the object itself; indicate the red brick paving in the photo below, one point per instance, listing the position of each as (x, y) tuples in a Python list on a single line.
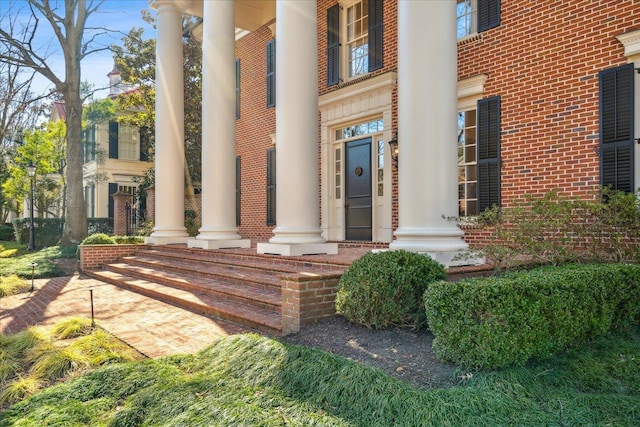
[(152, 327)]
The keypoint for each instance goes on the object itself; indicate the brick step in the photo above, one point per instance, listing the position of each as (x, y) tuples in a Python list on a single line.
[(255, 317), (251, 257), (265, 296), (259, 278)]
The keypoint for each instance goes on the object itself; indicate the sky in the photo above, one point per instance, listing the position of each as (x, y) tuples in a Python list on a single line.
[(117, 15)]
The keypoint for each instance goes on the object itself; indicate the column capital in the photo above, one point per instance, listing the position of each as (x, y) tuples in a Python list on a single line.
[(179, 5)]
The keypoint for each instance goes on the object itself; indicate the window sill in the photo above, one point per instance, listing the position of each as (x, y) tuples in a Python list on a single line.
[(469, 39)]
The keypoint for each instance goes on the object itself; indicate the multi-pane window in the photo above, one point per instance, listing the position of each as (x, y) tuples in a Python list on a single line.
[(467, 164), (366, 128), (338, 174), (354, 39), (128, 142), (466, 17), (475, 16), (358, 38), (380, 168)]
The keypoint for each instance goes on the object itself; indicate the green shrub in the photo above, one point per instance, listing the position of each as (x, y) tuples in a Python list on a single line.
[(128, 240), (384, 289), (7, 233), (495, 322), (48, 231), (98, 239), (100, 225)]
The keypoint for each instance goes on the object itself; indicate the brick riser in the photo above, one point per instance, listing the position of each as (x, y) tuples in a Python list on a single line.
[(265, 297)]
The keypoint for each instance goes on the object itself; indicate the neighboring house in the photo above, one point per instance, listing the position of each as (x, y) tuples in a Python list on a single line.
[(114, 155), (488, 100)]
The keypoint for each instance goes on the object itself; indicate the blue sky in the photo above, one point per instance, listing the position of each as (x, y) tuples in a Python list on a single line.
[(116, 15)]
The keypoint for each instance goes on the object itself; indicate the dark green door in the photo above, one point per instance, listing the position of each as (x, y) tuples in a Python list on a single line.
[(358, 198)]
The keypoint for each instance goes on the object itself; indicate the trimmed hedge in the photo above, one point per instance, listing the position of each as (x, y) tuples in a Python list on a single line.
[(385, 289), (100, 225), (47, 230), (98, 239), (6, 233), (495, 322)]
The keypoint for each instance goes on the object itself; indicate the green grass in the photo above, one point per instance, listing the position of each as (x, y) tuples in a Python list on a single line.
[(19, 262), (255, 381), (36, 357)]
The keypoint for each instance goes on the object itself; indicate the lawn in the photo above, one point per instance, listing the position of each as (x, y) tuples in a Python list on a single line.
[(15, 259), (256, 381)]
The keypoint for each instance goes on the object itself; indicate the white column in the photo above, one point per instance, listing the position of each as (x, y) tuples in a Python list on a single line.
[(169, 144), (218, 130), (427, 110), (297, 194)]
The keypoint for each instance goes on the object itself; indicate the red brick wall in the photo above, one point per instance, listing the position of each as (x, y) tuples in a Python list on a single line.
[(93, 256), (543, 61), (253, 128)]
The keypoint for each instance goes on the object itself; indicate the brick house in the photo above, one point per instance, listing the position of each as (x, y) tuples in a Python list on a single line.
[(486, 99)]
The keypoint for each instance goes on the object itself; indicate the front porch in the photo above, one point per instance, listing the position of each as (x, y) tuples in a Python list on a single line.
[(268, 293)]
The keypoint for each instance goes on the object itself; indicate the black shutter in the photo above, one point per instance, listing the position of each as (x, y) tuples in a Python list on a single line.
[(376, 27), (113, 140), (333, 45), (271, 186), (113, 188), (271, 73), (237, 88), (488, 14), (488, 147), (238, 191), (616, 128)]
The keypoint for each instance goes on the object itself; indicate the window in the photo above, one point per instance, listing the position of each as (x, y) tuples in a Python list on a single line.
[(488, 153), (89, 143), (616, 128), (271, 186), (475, 16), (362, 37), (128, 143), (124, 141), (467, 164), (271, 73)]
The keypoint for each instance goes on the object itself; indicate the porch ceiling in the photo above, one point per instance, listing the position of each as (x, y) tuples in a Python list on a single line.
[(250, 14)]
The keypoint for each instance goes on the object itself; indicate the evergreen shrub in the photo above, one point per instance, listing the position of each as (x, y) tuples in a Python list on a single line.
[(7, 233), (48, 231), (494, 322), (385, 289), (98, 239)]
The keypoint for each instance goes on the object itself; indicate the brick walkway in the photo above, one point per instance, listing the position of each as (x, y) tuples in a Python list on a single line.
[(152, 327)]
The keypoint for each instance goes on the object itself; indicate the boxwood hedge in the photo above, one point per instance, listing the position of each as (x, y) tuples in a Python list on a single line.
[(494, 322)]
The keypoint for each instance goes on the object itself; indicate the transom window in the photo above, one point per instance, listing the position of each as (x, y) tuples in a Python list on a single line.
[(358, 38), (366, 128), (466, 11), (467, 164)]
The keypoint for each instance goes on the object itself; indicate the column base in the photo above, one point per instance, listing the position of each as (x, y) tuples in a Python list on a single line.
[(298, 249), (165, 240), (219, 243), (444, 245)]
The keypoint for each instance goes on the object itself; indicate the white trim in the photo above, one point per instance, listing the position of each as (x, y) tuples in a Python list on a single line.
[(631, 43), (360, 102)]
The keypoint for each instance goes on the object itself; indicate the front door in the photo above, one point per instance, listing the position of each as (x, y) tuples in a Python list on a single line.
[(358, 198)]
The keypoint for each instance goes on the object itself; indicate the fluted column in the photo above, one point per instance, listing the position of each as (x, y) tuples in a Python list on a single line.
[(218, 130), (297, 194), (169, 139), (427, 110)]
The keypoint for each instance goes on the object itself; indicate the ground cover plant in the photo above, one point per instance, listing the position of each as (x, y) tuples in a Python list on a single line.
[(19, 262), (257, 381), (37, 357), (12, 285)]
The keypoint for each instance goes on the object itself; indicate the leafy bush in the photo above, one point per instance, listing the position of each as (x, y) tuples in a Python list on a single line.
[(553, 229), (128, 240), (7, 233), (47, 230), (100, 225), (500, 321), (384, 289), (98, 239)]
